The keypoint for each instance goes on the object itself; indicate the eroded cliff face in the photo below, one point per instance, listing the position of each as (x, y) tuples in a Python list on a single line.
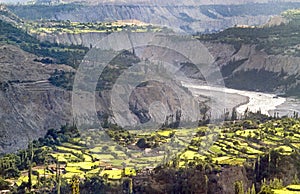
[(253, 59), (248, 68), (85, 39), (29, 104), (180, 18), (234, 63)]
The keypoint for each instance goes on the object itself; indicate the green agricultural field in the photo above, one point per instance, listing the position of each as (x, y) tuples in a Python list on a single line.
[(270, 143), (56, 27), (285, 149), (84, 165), (221, 147), (284, 191), (87, 158), (73, 169), (190, 155), (185, 132), (103, 156), (293, 188), (243, 144), (220, 159), (97, 149), (72, 146), (42, 172), (252, 151), (68, 150), (297, 145), (25, 179), (117, 163), (233, 161), (112, 174), (70, 175), (94, 171), (165, 133), (129, 171), (64, 157)]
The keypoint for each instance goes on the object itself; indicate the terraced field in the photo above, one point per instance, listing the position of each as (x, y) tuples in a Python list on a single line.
[(95, 153), (291, 189), (236, 145)]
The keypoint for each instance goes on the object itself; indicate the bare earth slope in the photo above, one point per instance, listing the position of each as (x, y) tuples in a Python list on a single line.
[(29, 104)]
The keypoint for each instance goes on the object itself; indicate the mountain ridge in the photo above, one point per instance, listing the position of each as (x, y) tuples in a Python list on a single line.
[(160, 2), (182, 18)]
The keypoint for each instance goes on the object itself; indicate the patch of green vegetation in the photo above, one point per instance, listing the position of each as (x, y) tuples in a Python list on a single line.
[(103, 156), (62, 54), (62, 79), (64, 157), (70, 175), (165, 133), (67, 27), (283, 191), (190, 155), (112, 174), (261, 80), (73, 169), (68, 150), (284, 149), (236, 146), (231, 66), (129, 171), (293, 188), (95, 171), (274, 40), (72, 146), (23, 179), (83, 166), (252, 9), (43, 171)]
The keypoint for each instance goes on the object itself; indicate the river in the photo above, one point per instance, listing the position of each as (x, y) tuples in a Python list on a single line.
[(226, 98)]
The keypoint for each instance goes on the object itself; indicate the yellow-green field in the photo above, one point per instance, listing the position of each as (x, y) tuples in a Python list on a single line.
[(218, 145), (291, 189)]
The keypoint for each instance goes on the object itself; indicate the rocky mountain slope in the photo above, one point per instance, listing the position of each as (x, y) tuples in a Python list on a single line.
[(29, 103), (183, 17), (250, 58), (263, 59)]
